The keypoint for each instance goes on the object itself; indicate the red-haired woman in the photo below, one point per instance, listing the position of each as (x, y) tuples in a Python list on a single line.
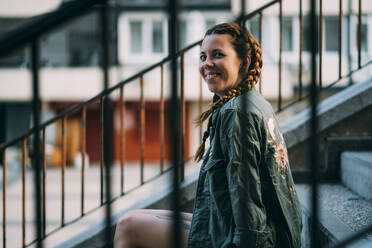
[(245, 195)]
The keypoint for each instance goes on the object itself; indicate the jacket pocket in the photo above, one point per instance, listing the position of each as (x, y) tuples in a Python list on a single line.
[(218, 186), (214, 162)]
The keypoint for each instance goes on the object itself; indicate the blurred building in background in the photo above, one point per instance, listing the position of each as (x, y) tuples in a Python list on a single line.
[(70, 64)]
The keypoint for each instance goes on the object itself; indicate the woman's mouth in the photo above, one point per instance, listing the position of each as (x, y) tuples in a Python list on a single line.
[(211, 76)]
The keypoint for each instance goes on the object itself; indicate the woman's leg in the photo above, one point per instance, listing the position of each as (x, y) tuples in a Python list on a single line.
[(148, 228)]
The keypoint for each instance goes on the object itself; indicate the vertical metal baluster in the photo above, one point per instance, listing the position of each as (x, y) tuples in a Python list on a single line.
[(142, 130), (340, 41), (36, 103), (360, 34), (4, 198), (122, 139), (242, 13), (183, 119), (200, 107), (24, 192), (174, 123), (280, 53), (320, 43), (348, 42), (161, 118), (108, 127), (301, 17), (313, 152), (83, 150), (44, 182), (63, 167), (101, 144), (260, 41)]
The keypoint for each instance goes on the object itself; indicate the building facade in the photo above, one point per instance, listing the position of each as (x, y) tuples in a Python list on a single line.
[(70, 64)]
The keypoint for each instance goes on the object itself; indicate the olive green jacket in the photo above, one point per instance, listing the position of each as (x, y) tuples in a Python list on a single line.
[(245, 195)]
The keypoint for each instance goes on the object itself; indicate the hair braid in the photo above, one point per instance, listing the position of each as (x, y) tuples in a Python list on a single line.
[(246, 46)]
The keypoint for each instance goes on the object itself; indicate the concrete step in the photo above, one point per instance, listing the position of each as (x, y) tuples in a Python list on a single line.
[(341, 214), (356, 172)]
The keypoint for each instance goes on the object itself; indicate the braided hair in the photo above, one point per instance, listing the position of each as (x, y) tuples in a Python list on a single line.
[(246, 46)]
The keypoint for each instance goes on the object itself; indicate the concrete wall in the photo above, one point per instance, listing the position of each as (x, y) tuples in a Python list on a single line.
[(355, 125)]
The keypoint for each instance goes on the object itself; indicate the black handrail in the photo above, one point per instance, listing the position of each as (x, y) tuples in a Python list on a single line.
[(42, 24)]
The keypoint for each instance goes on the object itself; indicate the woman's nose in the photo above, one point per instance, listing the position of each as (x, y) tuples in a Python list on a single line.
[(208, 63)]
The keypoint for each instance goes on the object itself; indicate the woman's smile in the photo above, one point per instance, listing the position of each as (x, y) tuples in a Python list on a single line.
[(219, 64), (211, 75)]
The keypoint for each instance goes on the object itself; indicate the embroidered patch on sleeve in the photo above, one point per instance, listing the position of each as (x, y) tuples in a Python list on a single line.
[(276, 141)]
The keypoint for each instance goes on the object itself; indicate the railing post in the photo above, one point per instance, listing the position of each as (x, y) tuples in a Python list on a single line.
[(101, 146), (24, 155), (280, 54), (340, 40), (63, 168), (108, 118), (359, 34), (122, 139), (260, 41), (313, 151), (301, 17), (174, 123), (44, 181), (200, 107), (162, 118), (4, 198), (83, 150), (183, 119), (320, 43), (348, 42), (35, 56), (142, 129)]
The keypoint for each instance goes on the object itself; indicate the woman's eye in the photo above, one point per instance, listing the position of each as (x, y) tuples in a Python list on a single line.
[(203, 57), (218, 54)]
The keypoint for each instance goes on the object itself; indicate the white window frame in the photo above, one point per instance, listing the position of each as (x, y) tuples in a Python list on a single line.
[(353, 34), (147, 56)]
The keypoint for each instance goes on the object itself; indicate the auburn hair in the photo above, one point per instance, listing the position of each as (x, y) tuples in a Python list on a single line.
[(247, 49)]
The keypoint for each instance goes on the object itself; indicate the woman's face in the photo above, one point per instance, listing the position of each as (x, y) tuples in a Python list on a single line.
[(219, 63)]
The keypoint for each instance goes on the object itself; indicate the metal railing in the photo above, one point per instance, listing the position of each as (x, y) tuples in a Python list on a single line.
[(43, 24)]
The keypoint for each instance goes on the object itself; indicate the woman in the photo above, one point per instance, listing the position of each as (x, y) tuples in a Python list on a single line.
[(245, 195)]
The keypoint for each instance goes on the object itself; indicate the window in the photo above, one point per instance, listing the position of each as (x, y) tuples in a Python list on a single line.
[(331, 33), (142, 38), (135, 36), (18, 57), (254, 27), (84, 48), (157, 37), (287, 34), (307, 36), (364, 42), (182, 34)]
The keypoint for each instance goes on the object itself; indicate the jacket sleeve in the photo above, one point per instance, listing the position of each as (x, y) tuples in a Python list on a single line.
[(242, 150)]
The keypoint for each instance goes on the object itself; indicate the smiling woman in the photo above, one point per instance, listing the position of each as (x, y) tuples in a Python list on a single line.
[(245, 195), (219, 64)]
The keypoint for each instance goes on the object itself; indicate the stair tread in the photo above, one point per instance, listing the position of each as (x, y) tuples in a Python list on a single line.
[(365, 156), (352, 209)]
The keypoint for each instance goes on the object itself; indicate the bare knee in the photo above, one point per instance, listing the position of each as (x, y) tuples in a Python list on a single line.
[(125, 233)]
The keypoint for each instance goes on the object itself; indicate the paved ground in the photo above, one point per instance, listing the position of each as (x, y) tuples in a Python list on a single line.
[(53, 196)]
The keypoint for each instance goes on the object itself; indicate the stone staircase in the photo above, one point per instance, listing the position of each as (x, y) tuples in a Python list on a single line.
[(344, 125), (356, 172), (345, 206)]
